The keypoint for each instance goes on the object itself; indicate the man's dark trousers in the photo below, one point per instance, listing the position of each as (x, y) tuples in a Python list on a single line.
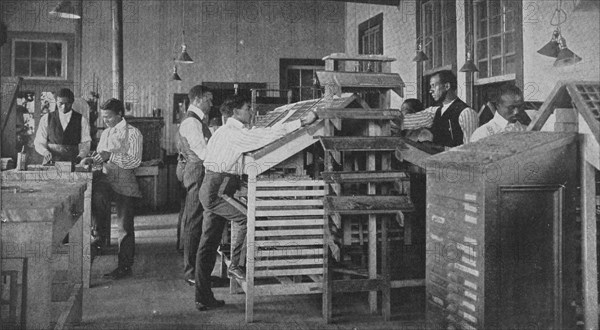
[(193, 174), (217, 212)]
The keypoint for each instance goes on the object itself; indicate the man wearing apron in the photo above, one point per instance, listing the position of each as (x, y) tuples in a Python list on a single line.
[(120, 152), (63, 135)]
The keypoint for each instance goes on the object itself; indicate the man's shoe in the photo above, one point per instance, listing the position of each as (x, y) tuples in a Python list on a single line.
[(190, 281), (204, 306), (119, 273), (236, 272)]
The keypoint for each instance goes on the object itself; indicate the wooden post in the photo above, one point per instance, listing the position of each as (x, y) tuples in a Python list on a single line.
[(250, 248), (117, 54)]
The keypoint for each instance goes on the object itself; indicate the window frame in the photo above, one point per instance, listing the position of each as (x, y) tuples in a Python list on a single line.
[(372, 27), (316, 92), (64, 57), (517, 37), (448, 58)]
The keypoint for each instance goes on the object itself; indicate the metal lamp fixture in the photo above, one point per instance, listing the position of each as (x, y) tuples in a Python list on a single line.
[(469, 66), (421, 56), (175, 76), (65, 10), (551, 49), (183, 57), (565, 55)]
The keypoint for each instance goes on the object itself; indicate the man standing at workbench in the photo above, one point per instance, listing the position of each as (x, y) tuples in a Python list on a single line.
[(63, 134)]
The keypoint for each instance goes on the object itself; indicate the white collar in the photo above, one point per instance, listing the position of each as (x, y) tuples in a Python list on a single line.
[(197, 111), (446, 106), (234, 122), (121, 124), (65, 115), (499, 120)]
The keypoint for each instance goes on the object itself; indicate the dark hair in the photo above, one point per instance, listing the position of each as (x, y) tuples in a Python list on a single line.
[(231, 103), (65, 92), (507, 89), (414, 104), (113, 105), (197, 91), (447, 76)]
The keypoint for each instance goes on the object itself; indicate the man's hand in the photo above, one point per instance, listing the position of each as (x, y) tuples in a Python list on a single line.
[(47, 158), (86, 161), (309, 118), (102, 157)]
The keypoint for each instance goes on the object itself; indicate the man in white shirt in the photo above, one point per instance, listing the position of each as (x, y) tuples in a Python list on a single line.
[(191, 143), (451, 123), (222, 178), (63, 134), (509, 108)]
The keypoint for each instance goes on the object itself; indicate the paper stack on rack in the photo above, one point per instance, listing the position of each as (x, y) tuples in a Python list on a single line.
[(7, 163)]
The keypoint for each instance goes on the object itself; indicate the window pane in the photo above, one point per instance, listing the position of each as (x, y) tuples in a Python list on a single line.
[(438, 51), (495, 25), (38, 68), (21, 49), (54, 68), (428, 19), (437, 18), (429, 53), (307, 77), (483, 69), (306, 93), (481, 10), (54, 50), (449, 47), (21, 67), (509, 66), (38, 50), (496, 67), (510, 21), (448, 14), (509, 43), (495, 46), (482, 28), (495, 7), (482, 49), (293, 77)]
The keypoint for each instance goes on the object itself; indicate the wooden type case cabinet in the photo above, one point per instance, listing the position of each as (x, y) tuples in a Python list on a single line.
[(500, 233)]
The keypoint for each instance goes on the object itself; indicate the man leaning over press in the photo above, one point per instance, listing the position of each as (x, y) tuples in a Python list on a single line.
[(452, 121), (63, 134), (222, 178)]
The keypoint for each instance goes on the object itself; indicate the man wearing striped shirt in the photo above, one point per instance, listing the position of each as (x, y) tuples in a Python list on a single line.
[(120, 152), (224, 150), (451, 123)]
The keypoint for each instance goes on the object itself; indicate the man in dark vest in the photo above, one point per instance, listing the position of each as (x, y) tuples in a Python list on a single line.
[(63, 134), (451, 121), (191, 143)]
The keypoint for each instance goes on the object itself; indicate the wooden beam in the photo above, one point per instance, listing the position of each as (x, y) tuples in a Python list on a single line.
[(117, 54), (364, 176), (367, 204), (352, 143), (351, 113)]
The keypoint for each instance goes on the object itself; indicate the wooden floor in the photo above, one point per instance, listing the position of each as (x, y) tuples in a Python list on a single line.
[(156, 297)]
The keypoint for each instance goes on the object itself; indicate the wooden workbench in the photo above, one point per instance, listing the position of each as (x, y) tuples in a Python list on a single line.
[(37, 173), (45, 275)]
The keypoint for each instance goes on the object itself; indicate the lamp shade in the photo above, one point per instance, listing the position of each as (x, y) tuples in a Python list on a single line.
[(469, 66), (551, 48), (420, 57), (565, 55), (65, 10), (175, 76), (184, 57)]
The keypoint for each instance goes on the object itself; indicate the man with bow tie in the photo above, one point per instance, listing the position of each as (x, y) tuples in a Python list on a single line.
[(509, 109)]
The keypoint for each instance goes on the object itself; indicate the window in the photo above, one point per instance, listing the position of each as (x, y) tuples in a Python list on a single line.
[(438, 19), (301, 82), (496, 38), (39, 59), (370, 41)]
